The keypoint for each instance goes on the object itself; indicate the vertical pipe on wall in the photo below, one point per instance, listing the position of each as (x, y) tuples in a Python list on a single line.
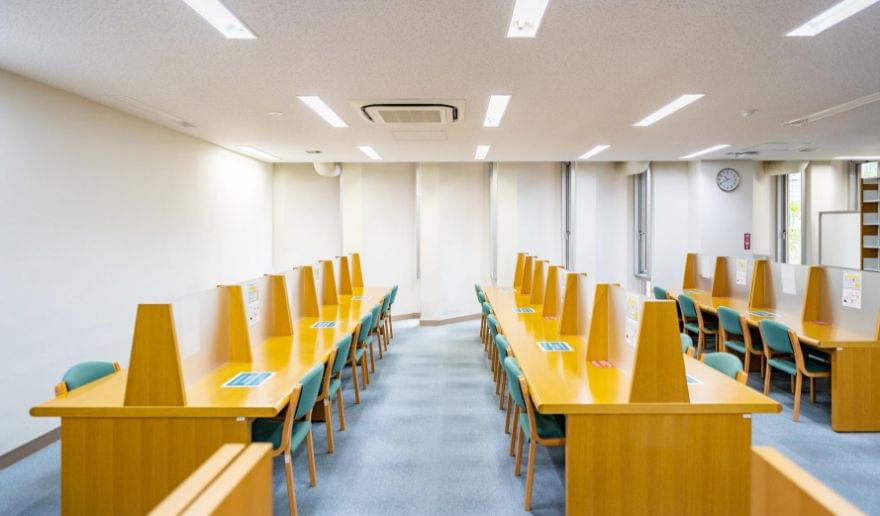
[(568, 207), (418, 221), (493, 222)]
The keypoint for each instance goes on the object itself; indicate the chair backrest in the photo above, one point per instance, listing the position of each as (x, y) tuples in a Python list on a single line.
[(487, 308), (687, 343), (481, 297), (386, 304), (503, 346), (776, 336), (342, 349), (688, 307), (511, 367), (660, 293), (393, 295), (730, 321), (377, 310), (311, 384), (366, 326), (726, 363), (87, 372), (493, 325)]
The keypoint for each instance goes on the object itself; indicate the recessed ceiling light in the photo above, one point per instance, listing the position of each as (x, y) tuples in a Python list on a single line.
[(836, 110), (831, 17), (706, 151), (323, 110), (526, 18), (370, 152), (221, 18), (482, 151), (257, 153), (668, 109), (495, 110), (148, 109), (592, 152), (859, 158)]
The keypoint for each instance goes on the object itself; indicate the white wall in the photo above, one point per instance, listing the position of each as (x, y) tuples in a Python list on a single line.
[(455, 237), (722, 218), (306, 216), (379, 210), (100, 211), (670, 221), (763, 213), (827, 191)]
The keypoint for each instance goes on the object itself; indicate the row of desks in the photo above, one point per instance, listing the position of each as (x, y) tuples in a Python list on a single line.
[(624, 457), (119, 459), (855, 359)]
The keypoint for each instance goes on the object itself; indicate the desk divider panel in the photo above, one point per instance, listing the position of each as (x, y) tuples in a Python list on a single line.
[(652, 356), (571, 321), (262, 304), (357, 275), (328, 283), (537, 292), (344, 276), (823, 301), (301, 291), (724, 279), (780, 301), (689, 280), (760, 291), (526, 286), (551, 305), (155, 375), (518, 270), (720, 279)]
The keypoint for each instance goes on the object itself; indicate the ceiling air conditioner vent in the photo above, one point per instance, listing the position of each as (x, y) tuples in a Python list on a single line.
[(411, 112)]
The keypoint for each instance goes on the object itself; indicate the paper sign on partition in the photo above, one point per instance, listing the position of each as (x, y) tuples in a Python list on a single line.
[(741, 268), (852, 289), (788, 283), (633, 303), (252, 303)]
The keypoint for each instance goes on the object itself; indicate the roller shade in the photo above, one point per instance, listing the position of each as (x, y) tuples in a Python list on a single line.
[(778, 168)]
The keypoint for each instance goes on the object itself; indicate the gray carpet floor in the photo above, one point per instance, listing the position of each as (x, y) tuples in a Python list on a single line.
[(428, 439)]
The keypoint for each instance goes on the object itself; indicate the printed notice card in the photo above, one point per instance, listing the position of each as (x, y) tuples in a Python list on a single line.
[(554, 346), (249, 379), (633, 303), (741, 267), (252, 303), (852, 289), (321, 325), (523, 310)]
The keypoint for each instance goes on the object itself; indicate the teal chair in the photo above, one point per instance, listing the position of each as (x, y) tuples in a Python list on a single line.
[(358, 355), (501, 384), (374, 335), (735, 334), (84, 373), (726, 363), (782, 350), (332, 386), (383, 335), (484, 328), (287, 433), (537, 428), (694, 321), (387, 316), (492, 325), (687, 344), (661, 294)]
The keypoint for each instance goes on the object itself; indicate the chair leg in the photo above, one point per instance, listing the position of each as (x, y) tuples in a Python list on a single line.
[(812, 390), (517, 466), (390, 326), (291, 487), (340, 407), (372, 360), (379, 339), (767, 376), (701, 341), (530, 475), (354, 381), (328, 422), (514, 429), (747, 364), (500, 392), (310, 450), (507, 415), (796, 411), (763, 365), (365, 371)]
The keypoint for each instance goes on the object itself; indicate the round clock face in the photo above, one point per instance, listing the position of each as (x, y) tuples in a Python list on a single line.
[(727, 179)]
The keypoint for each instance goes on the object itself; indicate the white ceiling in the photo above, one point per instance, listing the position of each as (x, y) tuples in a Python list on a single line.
[(595, 68)]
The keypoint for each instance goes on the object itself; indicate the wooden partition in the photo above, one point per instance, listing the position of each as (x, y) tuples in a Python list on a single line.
[(526, 287), (344, 281), (518, 270), (357, 275), (328, 283), (302, 293), (552, 307), (690, 276), (760, 291), (782, 488), (537, 290), (237, 479), (572, 320)]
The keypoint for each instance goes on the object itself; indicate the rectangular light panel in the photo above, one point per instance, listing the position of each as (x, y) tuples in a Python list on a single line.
[(668, 109), (831, 17), (526, 18), (323, 110), (221, 18), (495, 110)]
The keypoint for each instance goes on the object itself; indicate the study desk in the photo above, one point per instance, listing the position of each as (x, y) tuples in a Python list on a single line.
[(118, 459), (855, 361), (641, 458)]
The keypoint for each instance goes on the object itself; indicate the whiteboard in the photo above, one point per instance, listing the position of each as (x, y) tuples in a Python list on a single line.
[(840, 239)]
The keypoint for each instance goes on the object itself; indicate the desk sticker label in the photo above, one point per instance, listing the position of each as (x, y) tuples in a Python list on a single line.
[(602, 364), (523, 310), (741, 268), (360, 298), (692, 381), (554, 346), (852, 289), (252, 303), (249, 379), (763, 313), (321, 325)]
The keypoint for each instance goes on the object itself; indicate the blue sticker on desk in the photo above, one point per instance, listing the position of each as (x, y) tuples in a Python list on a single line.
[(249, 379), (762, 313), (321, 325), (692, 381), (554, 346), (524, 310), (360, 298)]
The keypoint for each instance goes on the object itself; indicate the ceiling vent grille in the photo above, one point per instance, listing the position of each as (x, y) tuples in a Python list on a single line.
[(392, 114)]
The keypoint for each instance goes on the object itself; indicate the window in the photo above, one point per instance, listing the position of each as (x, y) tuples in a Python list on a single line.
[(641, 219), (790, 223)]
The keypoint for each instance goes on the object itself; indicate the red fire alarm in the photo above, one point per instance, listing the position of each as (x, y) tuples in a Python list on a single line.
[(747, 241)]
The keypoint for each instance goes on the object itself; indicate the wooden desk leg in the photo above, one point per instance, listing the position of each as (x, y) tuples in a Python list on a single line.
[(658, 464), (855, 390), (128, 465)]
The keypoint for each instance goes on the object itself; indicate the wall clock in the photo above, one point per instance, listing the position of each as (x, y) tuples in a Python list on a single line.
[(727, 179)]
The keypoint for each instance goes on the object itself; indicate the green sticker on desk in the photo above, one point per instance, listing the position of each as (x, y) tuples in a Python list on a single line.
[(322, 325), (762, 313), (692, 381), (249, 379), (360, 298), (523, 310), (554, 346)]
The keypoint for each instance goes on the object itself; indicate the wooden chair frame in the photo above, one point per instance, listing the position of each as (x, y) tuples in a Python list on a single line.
[(534, 441), (703, 331), (800, 367), (352, 353), (285, 451), (747, 340), (325, 401), (61, 387)]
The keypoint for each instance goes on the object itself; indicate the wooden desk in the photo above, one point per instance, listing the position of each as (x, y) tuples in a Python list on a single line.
[(635, 458), (119, 459), (855, 361)]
